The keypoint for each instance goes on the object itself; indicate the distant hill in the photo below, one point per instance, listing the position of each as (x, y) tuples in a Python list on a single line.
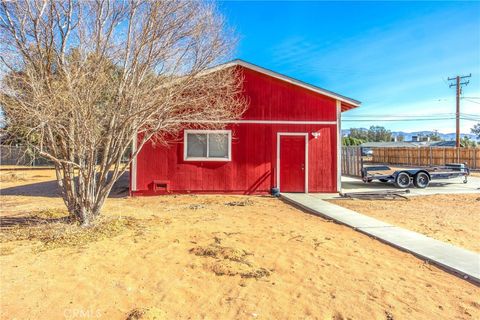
[(408, 135)]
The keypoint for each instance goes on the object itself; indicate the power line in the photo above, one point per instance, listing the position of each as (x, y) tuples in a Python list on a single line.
[(458, 86), (406, 120), (402, 115), (377, 115), (476, 102), (420, 117)]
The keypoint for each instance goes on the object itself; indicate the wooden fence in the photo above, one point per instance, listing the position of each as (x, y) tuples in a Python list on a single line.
[(427, 156), (351, 161)]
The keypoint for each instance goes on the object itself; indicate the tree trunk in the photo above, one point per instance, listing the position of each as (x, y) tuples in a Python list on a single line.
[(84, 194), (86, 216)]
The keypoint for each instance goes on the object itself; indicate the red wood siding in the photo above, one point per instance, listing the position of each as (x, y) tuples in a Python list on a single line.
[(254, 146), (273, 99), (252, 169)]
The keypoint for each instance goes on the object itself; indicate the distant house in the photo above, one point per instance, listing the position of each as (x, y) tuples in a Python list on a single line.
[(408, 144), (390, 144), (288, 138), (444, 144)]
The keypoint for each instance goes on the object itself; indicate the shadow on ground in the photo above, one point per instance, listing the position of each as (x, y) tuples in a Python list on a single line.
[(382, 186), (51, 189)]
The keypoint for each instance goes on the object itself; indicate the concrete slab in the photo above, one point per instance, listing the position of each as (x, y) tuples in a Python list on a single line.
[(455, 259), (444, 186), (441, 186)]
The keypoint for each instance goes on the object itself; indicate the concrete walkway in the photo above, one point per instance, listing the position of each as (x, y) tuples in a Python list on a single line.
[(463, 262)]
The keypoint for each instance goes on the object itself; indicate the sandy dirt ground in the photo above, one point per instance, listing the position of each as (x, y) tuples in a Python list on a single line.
[(451, 218), (215, 257), (475, 173)]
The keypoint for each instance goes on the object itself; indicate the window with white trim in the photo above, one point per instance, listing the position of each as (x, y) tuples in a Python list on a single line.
[(207, 145)]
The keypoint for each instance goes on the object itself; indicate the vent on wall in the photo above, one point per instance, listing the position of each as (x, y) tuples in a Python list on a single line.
[(161, 186)]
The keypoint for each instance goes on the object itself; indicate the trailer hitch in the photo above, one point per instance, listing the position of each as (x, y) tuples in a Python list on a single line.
[(377, 195)]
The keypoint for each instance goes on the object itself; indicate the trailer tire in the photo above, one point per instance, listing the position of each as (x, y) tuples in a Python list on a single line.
[(402, 180), (421, 180)]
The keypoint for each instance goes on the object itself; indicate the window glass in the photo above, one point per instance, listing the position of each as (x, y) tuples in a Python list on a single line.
[(196, 145), (218, 145)]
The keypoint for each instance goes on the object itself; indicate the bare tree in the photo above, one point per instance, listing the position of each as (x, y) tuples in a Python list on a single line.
[(80, 80)]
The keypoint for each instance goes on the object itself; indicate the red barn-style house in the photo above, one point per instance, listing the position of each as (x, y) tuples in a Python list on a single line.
[(288, 138)]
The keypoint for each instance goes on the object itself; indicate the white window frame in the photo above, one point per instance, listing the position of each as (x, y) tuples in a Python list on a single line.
[(207, 158)]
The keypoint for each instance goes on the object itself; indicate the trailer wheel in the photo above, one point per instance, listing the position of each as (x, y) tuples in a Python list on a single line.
[(421, 180), (402, 180)]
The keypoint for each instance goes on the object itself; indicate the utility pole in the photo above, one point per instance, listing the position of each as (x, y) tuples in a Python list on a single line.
[(458, 84)]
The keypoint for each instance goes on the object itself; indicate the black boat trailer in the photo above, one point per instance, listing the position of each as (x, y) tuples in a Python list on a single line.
[(420, 177)]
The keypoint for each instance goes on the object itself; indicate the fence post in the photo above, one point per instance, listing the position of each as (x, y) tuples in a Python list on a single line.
[(475, 158), (347, 161), (359, 153), (430, 164)]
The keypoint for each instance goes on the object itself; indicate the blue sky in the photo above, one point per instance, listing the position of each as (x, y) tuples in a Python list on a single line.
[(395, 57)]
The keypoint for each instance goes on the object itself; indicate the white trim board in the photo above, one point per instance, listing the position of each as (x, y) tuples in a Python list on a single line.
[(285, 78), (279, 134), (263, 122), (134, 164), (339, 146)]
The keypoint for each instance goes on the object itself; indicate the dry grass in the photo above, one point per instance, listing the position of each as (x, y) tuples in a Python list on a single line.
[(200, 257), (12, 177), (229, 261), (242, 203), (57, 232), (147, 314)]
